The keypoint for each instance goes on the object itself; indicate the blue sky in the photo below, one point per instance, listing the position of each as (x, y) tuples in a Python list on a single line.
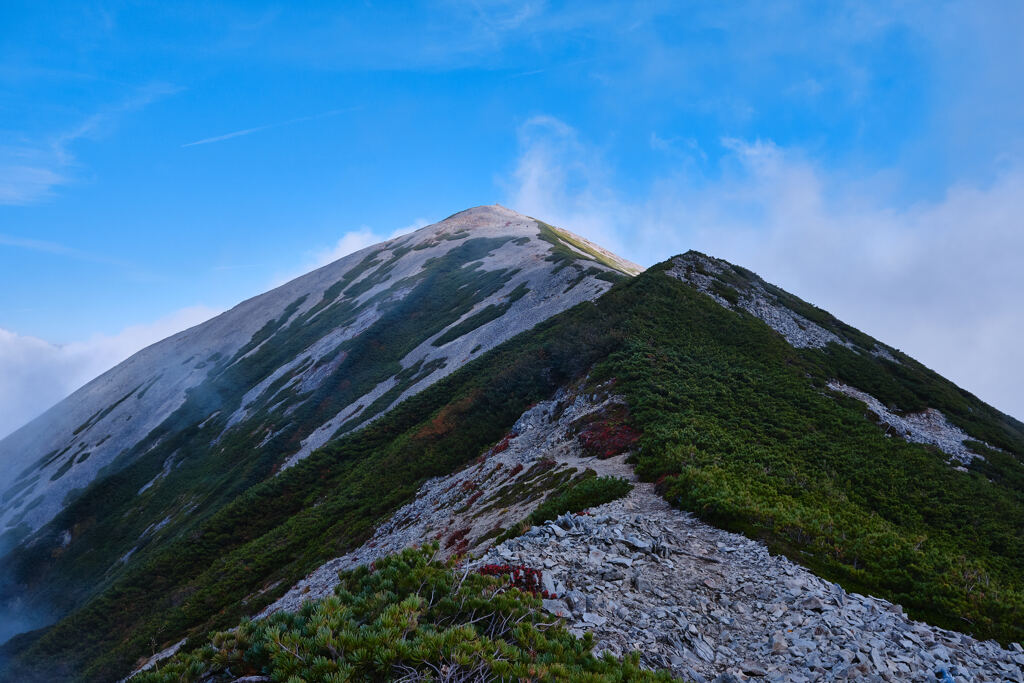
[(160, 162)]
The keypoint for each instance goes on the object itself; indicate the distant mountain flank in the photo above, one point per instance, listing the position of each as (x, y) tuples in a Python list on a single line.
[(195, 419), (473, 389), (277, 349)]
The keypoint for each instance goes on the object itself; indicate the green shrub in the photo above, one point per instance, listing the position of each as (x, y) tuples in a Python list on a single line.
[(583, 494), (407, 617)]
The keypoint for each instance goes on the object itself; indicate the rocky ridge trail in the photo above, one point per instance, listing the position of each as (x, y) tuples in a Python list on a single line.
[(644, 576), (712, 605), (704, 274), (466, 511)]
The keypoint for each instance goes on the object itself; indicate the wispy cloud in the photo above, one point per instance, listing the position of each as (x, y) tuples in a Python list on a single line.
[(58, 249), (30, 171), (257, 129), (41, 245)]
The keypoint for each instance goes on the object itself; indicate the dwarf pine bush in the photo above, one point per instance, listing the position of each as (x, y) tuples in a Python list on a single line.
[(408, 618)]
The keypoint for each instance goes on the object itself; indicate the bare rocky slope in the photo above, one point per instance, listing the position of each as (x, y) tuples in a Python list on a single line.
[(277, 376)]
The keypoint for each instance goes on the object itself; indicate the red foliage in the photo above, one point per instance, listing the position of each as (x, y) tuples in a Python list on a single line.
[(503, 444), (605, 438), (472, 499), (458, 541), (545, 464), (526, 579), (517, 469)]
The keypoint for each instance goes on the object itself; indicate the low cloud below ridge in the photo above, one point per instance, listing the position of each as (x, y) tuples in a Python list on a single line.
[(36, 374)]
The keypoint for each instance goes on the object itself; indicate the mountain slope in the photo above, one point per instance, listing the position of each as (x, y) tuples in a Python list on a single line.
[(727, 387), (150, 447)]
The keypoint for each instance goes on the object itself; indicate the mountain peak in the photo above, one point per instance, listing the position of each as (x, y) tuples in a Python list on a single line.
[(425, 303)]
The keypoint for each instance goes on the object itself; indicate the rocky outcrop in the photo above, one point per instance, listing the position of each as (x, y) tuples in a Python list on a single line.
[(929, 426), (466, 511), (713, 605), (711, 276)]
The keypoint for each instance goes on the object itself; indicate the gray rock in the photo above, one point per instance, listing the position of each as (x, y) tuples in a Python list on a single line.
[(753, 669), (576, 599), (556, 607), (640, 583), (811, 603), (778, 643), (637, 543), (703, 650)]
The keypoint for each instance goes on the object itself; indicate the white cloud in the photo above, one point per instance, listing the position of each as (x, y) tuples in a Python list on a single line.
[(940, 279), (354, 240), (350, 242), (35, 374), (24, 184)]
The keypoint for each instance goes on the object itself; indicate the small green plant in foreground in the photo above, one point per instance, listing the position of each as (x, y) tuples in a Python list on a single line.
[(410, 618)]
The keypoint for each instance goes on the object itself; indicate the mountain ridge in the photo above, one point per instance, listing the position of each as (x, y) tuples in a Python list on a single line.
[(220, 406), (730, 402)]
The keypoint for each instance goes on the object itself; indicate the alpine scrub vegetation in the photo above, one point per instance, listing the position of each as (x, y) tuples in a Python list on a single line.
[(734, 423), (409, 619), (740, 428)]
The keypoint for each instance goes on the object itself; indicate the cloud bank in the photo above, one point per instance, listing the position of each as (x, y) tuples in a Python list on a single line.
[(35, 374), (939, 279)]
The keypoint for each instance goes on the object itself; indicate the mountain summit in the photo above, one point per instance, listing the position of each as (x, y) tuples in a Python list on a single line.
[(472, 388)]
